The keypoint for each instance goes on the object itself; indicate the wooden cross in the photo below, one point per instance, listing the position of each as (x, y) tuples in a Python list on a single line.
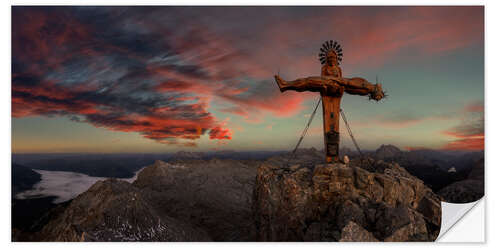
[(332, 85)]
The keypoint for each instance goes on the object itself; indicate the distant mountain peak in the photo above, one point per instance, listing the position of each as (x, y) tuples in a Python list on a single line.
[(387, 151)]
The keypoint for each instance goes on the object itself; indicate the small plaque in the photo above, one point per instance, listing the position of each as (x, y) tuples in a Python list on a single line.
[(332, 143)]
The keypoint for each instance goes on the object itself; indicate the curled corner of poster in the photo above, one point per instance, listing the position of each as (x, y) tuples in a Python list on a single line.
[(462, 222)]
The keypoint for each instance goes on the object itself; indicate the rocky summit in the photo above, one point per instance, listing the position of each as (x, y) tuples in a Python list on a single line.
[(114, 210), (247, 200), (198, 200), (362, 201)]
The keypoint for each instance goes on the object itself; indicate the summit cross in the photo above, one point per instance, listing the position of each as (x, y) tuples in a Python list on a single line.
[(332, 85)]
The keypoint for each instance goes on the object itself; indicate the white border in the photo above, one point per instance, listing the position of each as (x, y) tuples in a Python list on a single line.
[(492, 56), (247, 2)]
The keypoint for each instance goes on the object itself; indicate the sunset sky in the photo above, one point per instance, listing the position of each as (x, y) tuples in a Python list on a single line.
[(164, 79)]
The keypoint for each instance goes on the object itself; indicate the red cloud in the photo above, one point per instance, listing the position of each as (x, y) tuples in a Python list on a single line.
[(46, 98), (474, 107), (220, 133), (164, 124), (77, 58), (465, 139), (48, 37), (467, 144), (280, 105)]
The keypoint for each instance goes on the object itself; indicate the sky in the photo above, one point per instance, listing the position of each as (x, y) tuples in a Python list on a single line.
[(165, 79)]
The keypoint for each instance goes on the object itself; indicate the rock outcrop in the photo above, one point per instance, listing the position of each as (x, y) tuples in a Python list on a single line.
[(468, 190), (362, 201)]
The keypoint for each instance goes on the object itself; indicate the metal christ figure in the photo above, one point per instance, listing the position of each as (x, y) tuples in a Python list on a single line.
[(332, 85)]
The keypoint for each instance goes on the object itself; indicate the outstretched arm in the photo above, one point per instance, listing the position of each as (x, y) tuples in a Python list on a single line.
[(373, 90), (360, 86)]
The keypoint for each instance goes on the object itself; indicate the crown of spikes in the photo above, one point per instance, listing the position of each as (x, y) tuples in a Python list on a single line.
[(327, 46)]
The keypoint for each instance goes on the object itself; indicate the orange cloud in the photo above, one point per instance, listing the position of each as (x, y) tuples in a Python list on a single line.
[(466, 144)]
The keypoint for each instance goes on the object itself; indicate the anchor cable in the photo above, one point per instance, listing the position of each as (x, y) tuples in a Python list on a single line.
[(304, 132), (350, 132)]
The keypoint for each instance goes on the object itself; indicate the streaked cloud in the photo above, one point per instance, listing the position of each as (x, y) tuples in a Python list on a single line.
[(469, 134)]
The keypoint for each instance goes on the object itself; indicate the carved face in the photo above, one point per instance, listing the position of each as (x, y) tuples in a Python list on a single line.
[(331, 58), (378, 94)]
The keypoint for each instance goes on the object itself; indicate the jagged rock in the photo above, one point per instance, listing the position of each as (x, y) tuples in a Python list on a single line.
[(317, 205), (412, 227), (114, 210), (390, 219)]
